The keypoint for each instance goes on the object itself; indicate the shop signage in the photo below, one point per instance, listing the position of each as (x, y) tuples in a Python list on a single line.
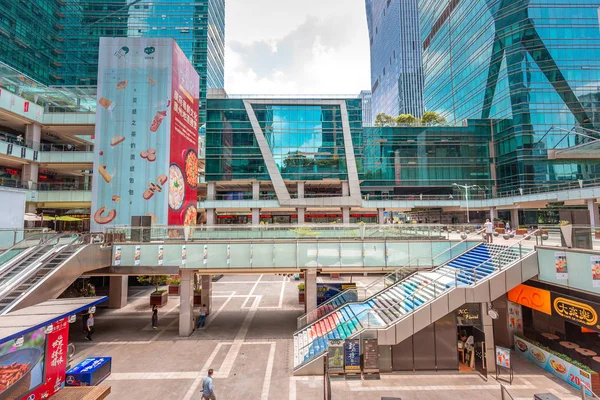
[(558, 367), (89, 372), (532, 297), (352, 355), (335, 356), (470, 315), (371, 355), (580, 312)]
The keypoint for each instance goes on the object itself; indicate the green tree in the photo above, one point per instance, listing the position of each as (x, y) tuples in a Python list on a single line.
[(154, 280), (405, 119), (432, 118), (382, 119)]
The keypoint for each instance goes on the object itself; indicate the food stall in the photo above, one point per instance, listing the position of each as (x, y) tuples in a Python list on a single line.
[(33, 347)]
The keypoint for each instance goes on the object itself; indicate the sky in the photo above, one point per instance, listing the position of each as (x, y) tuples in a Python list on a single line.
[(296, 47)]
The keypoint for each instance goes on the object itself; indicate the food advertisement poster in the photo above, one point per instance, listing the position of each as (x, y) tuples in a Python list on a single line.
[(503, 357), (560, 263), (135, 139), (228, 255), (138, 253), (595, 262), (161, 254), (117, 255), (352, 355), (556, 366), (183, 255), (183, 164), (33, 366), (335, 355), (515, 318), (205, 255)]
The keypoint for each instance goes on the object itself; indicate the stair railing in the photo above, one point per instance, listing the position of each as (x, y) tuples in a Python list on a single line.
[(399, 274), (586, 396), (40, 239), (504, 393)]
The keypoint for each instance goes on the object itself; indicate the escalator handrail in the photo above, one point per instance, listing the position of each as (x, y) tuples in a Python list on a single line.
[(32, 237), (29, 271)]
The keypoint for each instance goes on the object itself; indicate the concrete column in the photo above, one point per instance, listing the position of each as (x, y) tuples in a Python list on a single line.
[(210, 217), (345, 215), (493, 214), (33, 134), (30, 173), (300, 190), (256, 216), (310, 289), (210, 191), (301, 215), (514, 218), (593, 209), (380, 216), (488, 330), (206, 291), (186, 302), (345, 189), (255, 191), (117, 291)]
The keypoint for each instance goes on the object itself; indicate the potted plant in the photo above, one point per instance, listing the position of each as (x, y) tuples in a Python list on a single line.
[(522, 230), (174, 284), (158, 297), (301, 293), (597, 233)]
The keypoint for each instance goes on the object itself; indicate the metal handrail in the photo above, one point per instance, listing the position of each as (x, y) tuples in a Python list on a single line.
[(383, 279), (504, 390), (585, 396), (376, 310), (32, 237)]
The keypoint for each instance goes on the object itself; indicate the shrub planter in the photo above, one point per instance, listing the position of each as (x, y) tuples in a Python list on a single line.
[(197, 298), (506, 237), (301, 297), (500, 230), (521, 231), (496, 234), (173, 290), (159, 298)]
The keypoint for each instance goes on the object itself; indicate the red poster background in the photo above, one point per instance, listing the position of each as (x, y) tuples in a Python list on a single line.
[(55, 362), (184, 133)]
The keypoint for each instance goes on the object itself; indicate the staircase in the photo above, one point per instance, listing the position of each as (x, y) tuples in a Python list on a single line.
[(391, 305)]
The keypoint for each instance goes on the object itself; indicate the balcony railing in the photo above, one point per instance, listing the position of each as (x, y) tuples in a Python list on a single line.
[(17, 184)]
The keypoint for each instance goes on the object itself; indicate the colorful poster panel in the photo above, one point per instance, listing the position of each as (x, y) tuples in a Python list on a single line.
[(595, 262), (560, 264)]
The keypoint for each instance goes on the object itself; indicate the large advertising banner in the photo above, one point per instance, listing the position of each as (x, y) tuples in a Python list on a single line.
[(136, 141)]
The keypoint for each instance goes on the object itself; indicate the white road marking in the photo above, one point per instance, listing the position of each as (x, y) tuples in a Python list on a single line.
[(268, 373), (238, 341), (252, 290), (294, 379), (212, 316), (138, 376), (200, 376)]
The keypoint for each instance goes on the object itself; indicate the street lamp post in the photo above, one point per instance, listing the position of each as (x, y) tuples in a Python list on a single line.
[(466, 187)]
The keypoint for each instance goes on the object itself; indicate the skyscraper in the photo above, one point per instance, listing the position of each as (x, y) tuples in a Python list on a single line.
[(533, 67), (66, 51), (396, 65), (367, 112)]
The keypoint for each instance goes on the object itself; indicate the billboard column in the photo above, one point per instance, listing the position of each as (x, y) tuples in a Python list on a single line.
[(514, 218), (381, 216), (345, 215), (255, 216), (310, 289), (301, 215), (186, 298)]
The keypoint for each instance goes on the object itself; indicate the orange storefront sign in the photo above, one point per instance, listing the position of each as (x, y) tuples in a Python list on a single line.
[(532, 297)]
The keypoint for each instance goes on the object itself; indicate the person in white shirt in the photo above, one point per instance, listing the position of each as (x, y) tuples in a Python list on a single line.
[(489, 230)]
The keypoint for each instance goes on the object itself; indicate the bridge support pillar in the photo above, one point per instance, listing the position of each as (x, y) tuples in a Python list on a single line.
[(186, 303), (493, 214), (301, 215), (255, 190), (381, 216), (210, 217), (345, 215), (594, 215), (256, 216), (310, 289), (514, 218), (206, 294), (117, 291), (488, 331)]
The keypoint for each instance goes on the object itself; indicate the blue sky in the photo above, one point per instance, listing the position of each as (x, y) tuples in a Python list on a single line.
[(296, 47)]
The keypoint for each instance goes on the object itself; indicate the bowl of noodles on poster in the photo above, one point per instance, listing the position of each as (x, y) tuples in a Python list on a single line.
[(176, 187)]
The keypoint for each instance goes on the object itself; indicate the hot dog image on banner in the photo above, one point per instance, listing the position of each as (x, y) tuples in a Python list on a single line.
[(146, 137)]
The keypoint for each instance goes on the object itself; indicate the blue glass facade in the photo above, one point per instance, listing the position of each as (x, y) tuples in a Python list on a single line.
[(396, 68), (532, 66)]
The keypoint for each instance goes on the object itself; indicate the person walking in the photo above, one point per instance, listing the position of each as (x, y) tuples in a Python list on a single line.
[(154, 316), (90, 327), (208, 391), (489, 230), (202, 319)]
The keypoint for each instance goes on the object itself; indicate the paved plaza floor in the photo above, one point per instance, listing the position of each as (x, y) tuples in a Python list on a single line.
[(248, 342)]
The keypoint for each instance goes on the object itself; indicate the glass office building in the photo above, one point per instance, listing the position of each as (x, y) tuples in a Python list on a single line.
[(66, 51), (396, 68), (533, 66), (367, 110)]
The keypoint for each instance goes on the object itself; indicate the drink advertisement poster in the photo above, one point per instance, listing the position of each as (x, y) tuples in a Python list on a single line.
[(183, 255), (515, 318), (161, 254), (595, 262), (352, 355), (117, 255), (138, 134), (138, 253), (560, 263), (503, 357)]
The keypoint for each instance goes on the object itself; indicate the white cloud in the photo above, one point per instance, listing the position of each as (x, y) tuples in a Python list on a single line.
[(296, 47)]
